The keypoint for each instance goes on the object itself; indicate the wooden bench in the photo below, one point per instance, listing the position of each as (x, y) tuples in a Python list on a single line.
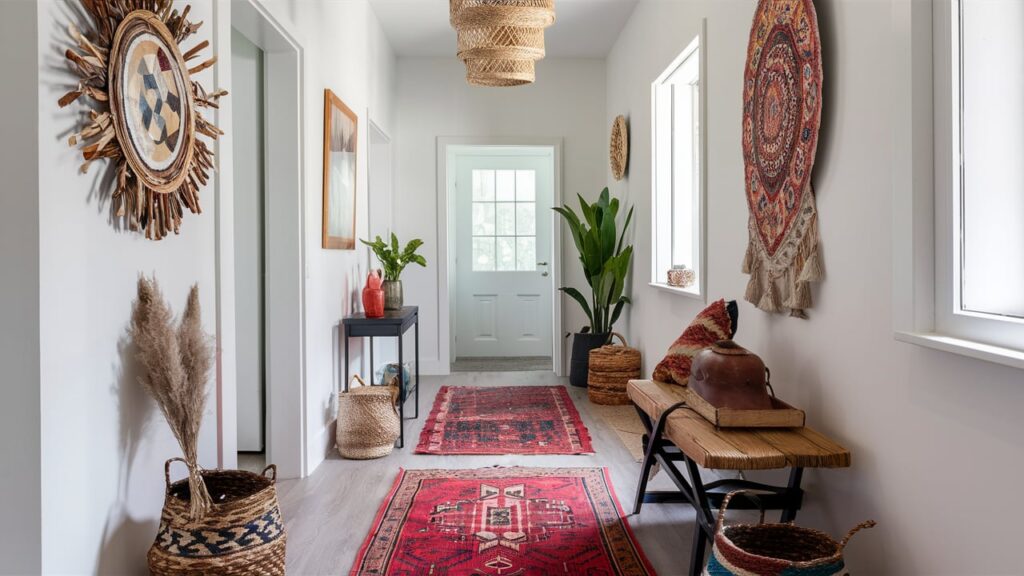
[(677, 434)]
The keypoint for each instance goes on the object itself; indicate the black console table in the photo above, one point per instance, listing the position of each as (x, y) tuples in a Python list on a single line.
[(394, 324)]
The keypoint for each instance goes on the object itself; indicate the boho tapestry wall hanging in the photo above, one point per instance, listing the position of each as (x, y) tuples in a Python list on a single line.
[(781, 116), (144, 113)]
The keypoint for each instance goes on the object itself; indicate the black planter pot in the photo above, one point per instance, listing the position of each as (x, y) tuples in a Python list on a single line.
[(582, 344)]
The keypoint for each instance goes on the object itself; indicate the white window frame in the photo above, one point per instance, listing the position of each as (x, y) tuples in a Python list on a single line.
[(926, 182), (658, 277)]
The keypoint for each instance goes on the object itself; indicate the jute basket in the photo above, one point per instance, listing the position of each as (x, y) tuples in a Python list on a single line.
[(368, 423), (243, 532), (611, 368), (770, 549), (501, 40)]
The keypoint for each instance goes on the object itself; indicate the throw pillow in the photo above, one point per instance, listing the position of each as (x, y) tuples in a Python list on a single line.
[(714, 323)]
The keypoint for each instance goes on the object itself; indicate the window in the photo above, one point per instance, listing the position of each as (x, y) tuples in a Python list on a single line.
[(960, 275), (678, 142), (504, 220)]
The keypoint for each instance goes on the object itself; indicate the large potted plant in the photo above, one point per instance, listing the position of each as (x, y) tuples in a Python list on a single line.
[(606, 264), (394, 259)]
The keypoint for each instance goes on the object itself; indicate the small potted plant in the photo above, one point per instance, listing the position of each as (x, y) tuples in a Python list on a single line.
[(394, 259), (605, 264)]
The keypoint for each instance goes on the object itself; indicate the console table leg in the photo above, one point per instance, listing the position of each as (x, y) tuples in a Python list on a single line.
[(345, 338), (371, 378), (416, 409), (705, 519), (401, 396), (700, 541)]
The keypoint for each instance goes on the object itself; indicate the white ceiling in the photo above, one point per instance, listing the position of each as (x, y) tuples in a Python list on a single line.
[(582, 29)]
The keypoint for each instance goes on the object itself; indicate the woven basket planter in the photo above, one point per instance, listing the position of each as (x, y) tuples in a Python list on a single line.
[(243, 532), (500, 40), (772, 549), (368, 422), (611, 368)]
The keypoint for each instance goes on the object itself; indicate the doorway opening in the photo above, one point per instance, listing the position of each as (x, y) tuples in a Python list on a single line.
[(249, 162), (379, 183), (503, 256), (261, 305)]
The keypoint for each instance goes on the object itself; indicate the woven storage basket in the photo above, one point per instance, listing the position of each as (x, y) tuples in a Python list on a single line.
[(368, 422), (243, 532), (772, 549), (611, 368)]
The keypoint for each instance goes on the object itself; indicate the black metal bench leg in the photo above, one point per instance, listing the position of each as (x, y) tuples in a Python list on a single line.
[(705, 525), (795, 477), (653, 445)]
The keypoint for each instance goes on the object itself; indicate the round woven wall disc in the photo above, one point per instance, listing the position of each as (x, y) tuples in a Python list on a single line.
[(151, 101), (618, 150)]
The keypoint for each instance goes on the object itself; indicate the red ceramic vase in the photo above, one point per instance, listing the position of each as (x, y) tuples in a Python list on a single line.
[(373, 295)]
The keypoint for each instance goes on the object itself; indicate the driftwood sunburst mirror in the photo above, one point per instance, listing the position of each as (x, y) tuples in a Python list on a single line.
[(144, 114)]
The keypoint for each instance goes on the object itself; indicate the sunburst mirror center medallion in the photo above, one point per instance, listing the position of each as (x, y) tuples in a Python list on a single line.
[(157, 110)]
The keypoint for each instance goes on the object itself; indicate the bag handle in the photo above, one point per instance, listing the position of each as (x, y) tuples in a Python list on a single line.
[(167, 470), (273, 470), (396, 393), (854, 530), (620, 337), (720, 523), (356, 378)]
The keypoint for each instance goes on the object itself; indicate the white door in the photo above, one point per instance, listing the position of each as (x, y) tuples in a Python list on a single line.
[(504, 221)]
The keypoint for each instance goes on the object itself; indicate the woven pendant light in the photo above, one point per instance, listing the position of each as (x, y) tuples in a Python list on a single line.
[(501, 40)]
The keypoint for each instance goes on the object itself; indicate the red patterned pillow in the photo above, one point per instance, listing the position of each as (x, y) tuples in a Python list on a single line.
[(714, 323)]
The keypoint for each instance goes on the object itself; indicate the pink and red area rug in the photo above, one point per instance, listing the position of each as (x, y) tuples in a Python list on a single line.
[(502, 522), (507, 420)]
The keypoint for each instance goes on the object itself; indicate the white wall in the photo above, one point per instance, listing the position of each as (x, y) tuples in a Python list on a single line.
[(20, 541), (91, 445), (936, 438), (433, 99)]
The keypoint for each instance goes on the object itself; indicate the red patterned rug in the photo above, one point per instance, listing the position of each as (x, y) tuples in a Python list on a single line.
[(509, 420), (502, 522)]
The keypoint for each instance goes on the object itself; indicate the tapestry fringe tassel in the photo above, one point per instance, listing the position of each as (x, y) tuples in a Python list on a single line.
[(782, 282)]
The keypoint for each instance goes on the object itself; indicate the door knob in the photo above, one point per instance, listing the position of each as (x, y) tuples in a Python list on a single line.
[(542, 263)]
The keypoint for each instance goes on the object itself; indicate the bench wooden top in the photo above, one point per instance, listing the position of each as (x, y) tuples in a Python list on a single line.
[(735, 449)]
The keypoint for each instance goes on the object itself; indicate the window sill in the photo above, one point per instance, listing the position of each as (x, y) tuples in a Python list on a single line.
[(987, 352), (691, 292)]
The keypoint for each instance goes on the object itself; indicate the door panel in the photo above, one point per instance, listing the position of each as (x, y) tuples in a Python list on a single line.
[(503, 252)]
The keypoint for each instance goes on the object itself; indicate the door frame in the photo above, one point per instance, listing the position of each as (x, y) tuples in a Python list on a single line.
[(382, 347), (446, 220), (285, 308)]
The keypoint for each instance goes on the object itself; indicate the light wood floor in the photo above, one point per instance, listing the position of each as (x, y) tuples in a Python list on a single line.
[(328, 515)]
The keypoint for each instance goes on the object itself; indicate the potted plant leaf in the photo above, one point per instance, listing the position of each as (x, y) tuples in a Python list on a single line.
[(605, 265), (394, 259)]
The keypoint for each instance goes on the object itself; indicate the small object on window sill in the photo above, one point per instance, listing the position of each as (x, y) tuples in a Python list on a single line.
[(681, 277)]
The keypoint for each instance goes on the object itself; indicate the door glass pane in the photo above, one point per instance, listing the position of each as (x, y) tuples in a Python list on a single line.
[(483, 219), (526, 219), (526, 254), (506, 254), (506, 185), (506, 219), (483, 185), (483, 254), (526, 186)]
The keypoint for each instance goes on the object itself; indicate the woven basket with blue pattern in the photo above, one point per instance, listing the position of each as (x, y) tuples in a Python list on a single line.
[(243, 532), (775, 549)]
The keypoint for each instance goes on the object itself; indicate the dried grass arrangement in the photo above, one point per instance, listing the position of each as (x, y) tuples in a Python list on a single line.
[(176, 362)]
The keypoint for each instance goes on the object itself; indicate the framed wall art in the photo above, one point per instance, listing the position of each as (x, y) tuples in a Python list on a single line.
[(145, 117), (341, 133)]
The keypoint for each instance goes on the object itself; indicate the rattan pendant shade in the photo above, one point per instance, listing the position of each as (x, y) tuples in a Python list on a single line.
[(501, 40)]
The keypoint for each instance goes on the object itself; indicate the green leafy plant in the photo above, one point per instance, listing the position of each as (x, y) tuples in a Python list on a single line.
[(605, 260), (394, 259)]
